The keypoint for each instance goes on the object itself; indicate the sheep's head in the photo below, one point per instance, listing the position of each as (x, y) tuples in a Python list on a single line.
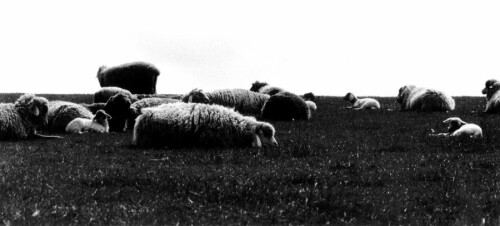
[(454, 123), (101, 117), (491, 87), (196, 96), (257, 85), (404, 93), (36, 107), (264, 136), (350, 97), (487, 85), (309, 96)]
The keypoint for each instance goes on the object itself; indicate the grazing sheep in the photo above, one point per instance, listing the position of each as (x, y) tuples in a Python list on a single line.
[(309, 96), (193, 124), (286, 106), (243, 101), (60, 113), (102, 95), (20, 120), (264, 88), (135, 108), (365, 103), (415, 98), (487, 88), (97, 124), (118, 107), (493, 103), (137, 77)]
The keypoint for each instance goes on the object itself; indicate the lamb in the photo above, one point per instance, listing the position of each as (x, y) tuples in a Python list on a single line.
[(487, 88), (415, 98), (286, 106), (20, 120), (493, 103), (118, 107), (135, 108), (193, 124), (243, 101), (459, 128), (137, 77), (60, 113), (97, 124), (364, 103), (264, 88)]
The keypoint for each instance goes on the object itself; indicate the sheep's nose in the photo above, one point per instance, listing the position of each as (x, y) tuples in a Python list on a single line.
[(274, 142)]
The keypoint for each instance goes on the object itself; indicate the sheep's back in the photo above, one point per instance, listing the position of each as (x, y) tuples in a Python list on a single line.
[(11, 123), (285, 106)]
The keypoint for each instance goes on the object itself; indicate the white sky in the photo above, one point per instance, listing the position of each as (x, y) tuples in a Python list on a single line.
[(327, 47)]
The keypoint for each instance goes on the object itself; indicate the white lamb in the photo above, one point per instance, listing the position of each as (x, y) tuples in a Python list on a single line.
[(459, 128), (364, 103), (97, 124)]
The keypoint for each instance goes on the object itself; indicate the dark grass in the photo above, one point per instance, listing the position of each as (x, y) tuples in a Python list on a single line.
[(342, 167)]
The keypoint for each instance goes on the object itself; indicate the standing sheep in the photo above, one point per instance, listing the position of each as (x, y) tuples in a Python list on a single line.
[(202, 125), (135, 108), (488, 85), (493, 103), (264, 88), (21, 119), (415, 98), (365, 103), (243, 101), (137, 77), (286, 106), (98, 124)]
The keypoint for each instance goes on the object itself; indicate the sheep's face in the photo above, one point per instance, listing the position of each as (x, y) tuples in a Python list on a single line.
[(264, 136), (404, 93), (454, 124), (257, 85), (37, 108), (487, 85), (196, 96), (309, 96), (492, 89), (350, 97), (101, 117)]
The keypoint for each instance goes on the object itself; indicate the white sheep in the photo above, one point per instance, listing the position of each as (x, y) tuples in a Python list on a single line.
[(20, 120), (364, 103), (97, 124), (459, 128), (191, 124), (493, 103), (311, 105), (415, 98), (243, 101)]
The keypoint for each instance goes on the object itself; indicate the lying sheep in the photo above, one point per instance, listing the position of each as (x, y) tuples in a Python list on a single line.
[(243, 101), (286, 106), (102, 95), (365, 103), (493, 103), (415, 98), (21, 119), (118, 107), (459, 128), (137, 77), (488, 85), (60, 113), (192, 124), (97, 124), (264, 88), (135, 108)]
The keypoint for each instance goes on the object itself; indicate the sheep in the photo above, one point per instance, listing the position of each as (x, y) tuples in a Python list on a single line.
[(97, 124), (60, 113), (493, 103), (20, 120), (137, 77), (118, 107), (415, 98), (243, 101), (286, 106), (135, 108), (102, 95), (309, 96), (459, 128), (311, 105), (264, 88), (487, 88), (194, 124), (364, 103)]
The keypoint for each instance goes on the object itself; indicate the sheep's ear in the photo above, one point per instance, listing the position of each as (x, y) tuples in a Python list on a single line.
[(256, 141), (34, 109), (190, 100)]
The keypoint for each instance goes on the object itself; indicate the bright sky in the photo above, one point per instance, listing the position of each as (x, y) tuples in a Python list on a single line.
[(327, 47)]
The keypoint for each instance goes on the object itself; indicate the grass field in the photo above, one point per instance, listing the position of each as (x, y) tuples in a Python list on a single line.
[(341, 167)]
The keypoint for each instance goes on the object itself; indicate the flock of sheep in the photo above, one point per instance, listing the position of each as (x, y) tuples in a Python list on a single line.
[(219, 118)]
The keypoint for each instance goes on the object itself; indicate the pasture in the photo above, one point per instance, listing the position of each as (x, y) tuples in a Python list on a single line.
[(341, 167)]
